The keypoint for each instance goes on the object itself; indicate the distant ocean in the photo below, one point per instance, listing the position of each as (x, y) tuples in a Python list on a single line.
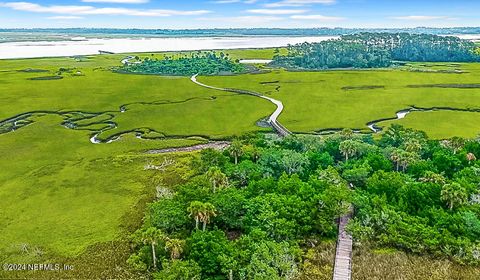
[(88, 46)]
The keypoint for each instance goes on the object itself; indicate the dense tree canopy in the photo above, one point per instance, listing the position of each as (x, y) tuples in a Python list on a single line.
[(203, 63), (409, 193), (333, 54), (373, 50), (418, 47)]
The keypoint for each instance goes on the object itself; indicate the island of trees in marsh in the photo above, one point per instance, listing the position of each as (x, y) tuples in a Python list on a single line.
[(202, 63), (377, 50)]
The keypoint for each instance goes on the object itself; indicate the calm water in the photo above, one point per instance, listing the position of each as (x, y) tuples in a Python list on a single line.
[(82, 46)]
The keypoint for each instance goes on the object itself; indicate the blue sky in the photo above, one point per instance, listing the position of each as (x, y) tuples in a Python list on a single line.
[(238, 13)]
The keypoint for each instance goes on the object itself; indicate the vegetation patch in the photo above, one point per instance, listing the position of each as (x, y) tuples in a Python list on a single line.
[(332, 54), (31, 70), (376, 50), (46, 78), (453, 71), (213, 226), (202, 63), (401, 265), (268, 83), (466, 86), (220, 231), (363, 87)]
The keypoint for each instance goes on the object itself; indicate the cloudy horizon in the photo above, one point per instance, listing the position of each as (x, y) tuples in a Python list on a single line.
[(238, 14)]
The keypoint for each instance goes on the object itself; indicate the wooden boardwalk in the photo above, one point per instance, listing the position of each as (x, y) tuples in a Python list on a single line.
[(272, 120), (343, 256)]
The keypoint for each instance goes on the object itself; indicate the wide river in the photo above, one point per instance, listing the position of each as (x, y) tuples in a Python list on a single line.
[(82, 46)]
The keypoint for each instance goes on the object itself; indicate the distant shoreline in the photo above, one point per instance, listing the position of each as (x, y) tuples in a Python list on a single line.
[(60, 34), (45, 49), (450, 30)]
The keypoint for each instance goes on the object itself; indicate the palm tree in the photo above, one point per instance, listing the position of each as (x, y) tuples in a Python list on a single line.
[(253, 151), (406, 158), (151, 236), (255, 154), (175, 247), (196, 210), (236, 150), (455, 144), (202, 212), (209, 211), (347, 133), (217, 178), (394, 133), (395, 156), (412, 145), (432, 177), (454, 195), (348, 148)]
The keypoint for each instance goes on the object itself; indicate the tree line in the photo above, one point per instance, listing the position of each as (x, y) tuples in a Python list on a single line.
[(375, 50), (257, 209)]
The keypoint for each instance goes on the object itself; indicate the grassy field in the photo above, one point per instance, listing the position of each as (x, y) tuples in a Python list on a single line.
[(317, 101), (60, 193), (65, 200), (442, 123), (161, 100)]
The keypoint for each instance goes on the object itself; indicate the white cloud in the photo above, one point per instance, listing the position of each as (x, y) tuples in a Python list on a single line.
[(317, 17), (234, 1), (226, 1), (89, 10), (117, 1), (242, 21), (299, 3), (64, 17), (421, 17), (276, 12), (31, 7)]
